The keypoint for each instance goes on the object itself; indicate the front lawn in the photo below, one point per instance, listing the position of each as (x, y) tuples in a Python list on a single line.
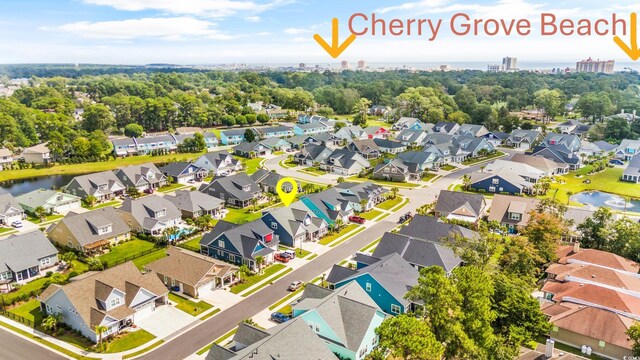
[(190, 307), (121, 252), (333, 236), (389, 204), (141, 262), (383, 182), (301, 253), (129, 341), (371, 214), (448, 167), (36, 220), (106, 204), (606, 181), (428, 176), (4, 230), (313, 170), (288, 163), (254, 279), (30, 311), (172, 187), (241, 216), (478, 159), (251, 165)]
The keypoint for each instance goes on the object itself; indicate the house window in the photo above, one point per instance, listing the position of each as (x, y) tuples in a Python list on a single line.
[(59, 308), (274, 225), (492, 189), (221, 243), (45, 261), (114, 302), (368, 287), (395, 309), (166, 279), (5, 276), (495, 181), (515, 216), (232, 258)]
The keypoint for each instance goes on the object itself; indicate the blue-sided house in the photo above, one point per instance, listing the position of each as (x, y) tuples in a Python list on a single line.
[(310, 129), (295, 226), (345, 318), (232, 137), (386, 281), (240, 244)]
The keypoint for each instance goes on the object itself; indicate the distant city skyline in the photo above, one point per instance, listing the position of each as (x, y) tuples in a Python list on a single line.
[(278, 31)]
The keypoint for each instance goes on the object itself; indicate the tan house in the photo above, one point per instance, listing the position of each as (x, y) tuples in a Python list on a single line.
[(38, 154), (192, 273), (91, 232), (512, 212)]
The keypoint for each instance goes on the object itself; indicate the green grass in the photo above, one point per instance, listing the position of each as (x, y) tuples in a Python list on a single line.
[(128, 249), (288, 164), (35, 285), (254, 279), (129, 341), (219, 341), (384, 183), (145, 350), (287, 310), (86, 168), (172, 187), (313, 171), (371, 214), (328, 239), (46, 343), (105, 204), (371, 247), (389, 204), (379, 123), (427, 176), (190, 307), (607, 181), (251, 165), (404, 202), (192, 244), (210, 314), (301, 253), (448, 167), (273, 279), (141, 262), (29, 310), (478, 159), (286, 298), (241, 216), (312, 257), (356, 232), (6, 230), (36, 220)]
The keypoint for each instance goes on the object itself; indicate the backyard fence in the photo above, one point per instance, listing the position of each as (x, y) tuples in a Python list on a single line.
[(17, 318), (133, 257)]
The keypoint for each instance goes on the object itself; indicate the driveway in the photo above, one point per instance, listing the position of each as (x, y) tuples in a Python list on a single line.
[(221, 299), (165, 320)]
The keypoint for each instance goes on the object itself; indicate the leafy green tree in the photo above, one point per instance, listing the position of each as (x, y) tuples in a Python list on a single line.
[(551, 101), (476, 288), (249, 135), (634, 335), (251, 118), (595, 229), (97, 117), (361, 112), (407, 337), (41, 213), (545, 231), (228, 120), (81, 146), (618, 129), (99, 330), (263, 118), (50, 323), (133, 130), (466, 100)]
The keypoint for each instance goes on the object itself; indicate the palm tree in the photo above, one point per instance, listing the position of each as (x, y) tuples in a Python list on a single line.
[(569, 194), (337, 225), (68, 258), (394, 192), (100, 329), (90, 200), (363, 205), (41, 213), (254, 202), (466, 182), (50, 323), (260, 262), (57, 278), (244, 272)]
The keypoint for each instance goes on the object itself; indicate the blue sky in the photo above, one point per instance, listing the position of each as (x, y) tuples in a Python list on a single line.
[(276, 31)]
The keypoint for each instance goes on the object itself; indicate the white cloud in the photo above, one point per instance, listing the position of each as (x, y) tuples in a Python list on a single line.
[(206, 8), (264, 33), (297, 31), (177, 28), (254, 19)]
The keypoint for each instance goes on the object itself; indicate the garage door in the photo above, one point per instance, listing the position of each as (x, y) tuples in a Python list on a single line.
[(524, 145), (209, 285), (68, 207), (145, 311)]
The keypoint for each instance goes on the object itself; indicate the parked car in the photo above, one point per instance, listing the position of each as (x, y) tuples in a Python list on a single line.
[(289, 253), (279, 317), (191, 181), (295, 285), (17, 224), (148, 191), (357, 219), (404, 218), (281, 258)]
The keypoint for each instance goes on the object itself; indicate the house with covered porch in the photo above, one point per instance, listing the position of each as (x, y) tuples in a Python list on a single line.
[(150, 214), (103, 186), (193, 204), (191, 273), (295, 226), (25, 257)]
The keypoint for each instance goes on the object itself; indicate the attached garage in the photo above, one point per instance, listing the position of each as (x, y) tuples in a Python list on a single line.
[(145, 310)]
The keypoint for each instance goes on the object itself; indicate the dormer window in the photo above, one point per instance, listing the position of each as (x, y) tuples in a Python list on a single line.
[(104, 229), (151, 175), (160, 213), (515, 216), (246, 188), (114, 302)]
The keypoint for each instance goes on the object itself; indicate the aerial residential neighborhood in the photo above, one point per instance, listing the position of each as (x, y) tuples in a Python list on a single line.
[(176, 184)]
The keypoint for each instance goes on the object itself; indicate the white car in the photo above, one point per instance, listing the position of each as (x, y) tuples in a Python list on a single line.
[(17, 224)]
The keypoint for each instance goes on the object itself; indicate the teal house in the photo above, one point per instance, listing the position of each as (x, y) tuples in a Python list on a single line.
[(345, 319), (385, 280)]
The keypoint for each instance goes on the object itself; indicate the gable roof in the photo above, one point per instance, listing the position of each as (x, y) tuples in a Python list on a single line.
[(9, 205), (40, 197), (89, 183), (388, 144), (450, 201), (84, 226), (144, 209), (179, 167), (189, 267), (417, 251), (266, 177), (24, 251), (537, 162), (429, 228), (602, 258), (135, 175), (244, 238), (233, 185), (193, 201), (500, 207)]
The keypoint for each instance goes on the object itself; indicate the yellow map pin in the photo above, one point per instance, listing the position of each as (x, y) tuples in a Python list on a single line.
[(287, 197)]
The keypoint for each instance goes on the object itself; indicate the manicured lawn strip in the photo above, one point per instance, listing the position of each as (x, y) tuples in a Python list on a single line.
[(210, 314), (497, 154), (286, 298), (250, 165), (428, 176), (302, 253), (341, 263), (141, 262), (271, 280), (125, 250), (347, 237), (254, 279), (36, 220), (287, 310), (219, 341), (383, 217), (145, 350), (241, 216), (86, 168), (190, 307), (379, 123), (404, 202), (371, 214), (328, 239), (46, 343), (312, 257), (193, 244), (312, 171), (106, 204), (129, 341), (172, 187), (288, 164), (7, 231), (448, 167), (370, 246), (29, 310), (606, 181), (387, 205), (384, 183)]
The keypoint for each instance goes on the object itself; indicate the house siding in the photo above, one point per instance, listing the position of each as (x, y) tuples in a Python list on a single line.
[(73, 320), (577, 340), (325, 332), (378, 293), (486, 184)]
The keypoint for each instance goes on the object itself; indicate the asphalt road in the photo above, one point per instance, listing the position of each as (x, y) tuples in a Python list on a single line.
[(13, 347)]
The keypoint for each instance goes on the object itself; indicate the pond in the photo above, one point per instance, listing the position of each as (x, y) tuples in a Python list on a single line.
[(599, 199), (23, 186)]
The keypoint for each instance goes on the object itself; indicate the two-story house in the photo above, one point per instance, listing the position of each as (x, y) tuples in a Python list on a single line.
[(456, 205), (150, 214), (627, 149), (295, 226), (24, 257), (349, 133), (241, 244), (412, 137), (407, 123), (114, 298), (329, 205), (90, 232), (376, 132), (524, 139), (103, 186), (183, 172), (219, 163), (274, 131), (6, 157), (312, 154), (362, 196), (472, 130), (345, 162), (447, 128), (512, 212), (310, 128), (143, 177), (236, 190), (157, 143), (10, 210), (233, 136), (38, 154), (251, 150)]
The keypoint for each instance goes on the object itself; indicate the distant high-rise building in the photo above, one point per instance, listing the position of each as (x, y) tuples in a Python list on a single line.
[(344, 65), (509, 63), (495, 68), (362, 64), (595, 66)]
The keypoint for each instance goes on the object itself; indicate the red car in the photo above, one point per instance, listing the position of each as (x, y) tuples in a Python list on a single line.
[(357, 219), (281, 258)]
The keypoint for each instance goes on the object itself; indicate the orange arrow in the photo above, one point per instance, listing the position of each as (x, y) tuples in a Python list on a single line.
[(335, 49), (633, 51)]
